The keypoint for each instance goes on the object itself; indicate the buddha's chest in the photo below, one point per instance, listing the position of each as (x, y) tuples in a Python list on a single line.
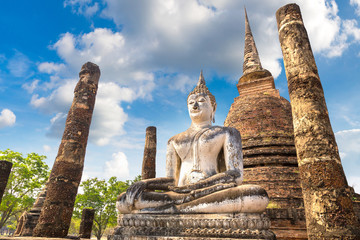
[(206, 145)]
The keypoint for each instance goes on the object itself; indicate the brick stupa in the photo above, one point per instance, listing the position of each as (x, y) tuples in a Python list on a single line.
[(264, 120)]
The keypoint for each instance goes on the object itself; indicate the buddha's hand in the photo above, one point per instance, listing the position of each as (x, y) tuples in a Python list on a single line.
[(182, 189), (134, 191)]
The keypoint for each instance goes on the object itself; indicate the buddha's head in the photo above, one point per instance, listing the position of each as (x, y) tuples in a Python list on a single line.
[(201, 103)]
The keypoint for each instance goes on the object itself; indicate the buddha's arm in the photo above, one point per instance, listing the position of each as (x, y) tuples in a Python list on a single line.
[(233, 155), (166, 183), (137, 188), (173, 162)]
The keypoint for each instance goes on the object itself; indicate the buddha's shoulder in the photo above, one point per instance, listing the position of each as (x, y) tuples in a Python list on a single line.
[(211, 131), (180, 137), (225, 130)]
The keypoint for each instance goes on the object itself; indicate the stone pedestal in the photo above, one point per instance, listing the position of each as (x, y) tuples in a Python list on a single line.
[(192, 226)]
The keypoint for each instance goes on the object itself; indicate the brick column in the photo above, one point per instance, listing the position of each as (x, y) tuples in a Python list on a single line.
[(148, 167), (328, 206), (87, 219), (5, 169), (66, 173)]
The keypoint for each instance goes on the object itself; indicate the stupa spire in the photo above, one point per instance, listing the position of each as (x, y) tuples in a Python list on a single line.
[(251, 56), (201, 79)]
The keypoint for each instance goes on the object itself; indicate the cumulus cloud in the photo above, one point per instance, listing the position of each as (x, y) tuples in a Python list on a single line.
[(109, 117), (356, 4), (349, 142), (85, 7), (50, 67), (58, 101), (118, 166), (7, 118), (19, 65), (165, 43), (30, 87)]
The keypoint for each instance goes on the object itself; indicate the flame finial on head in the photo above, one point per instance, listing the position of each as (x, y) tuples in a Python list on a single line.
[(202, 88)]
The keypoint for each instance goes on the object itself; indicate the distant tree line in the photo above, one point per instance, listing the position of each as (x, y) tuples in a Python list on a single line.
[(28, 177)]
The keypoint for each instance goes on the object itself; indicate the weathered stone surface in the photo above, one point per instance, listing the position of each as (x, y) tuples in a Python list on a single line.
[(264, 120), (5, 169), (193, 226), (149, 160), (87, 219), (28, 220), (203, 170), (328, 206), (66, 173), (251, 56)]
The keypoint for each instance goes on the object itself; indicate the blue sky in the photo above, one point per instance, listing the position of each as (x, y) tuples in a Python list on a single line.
[(150, 54)]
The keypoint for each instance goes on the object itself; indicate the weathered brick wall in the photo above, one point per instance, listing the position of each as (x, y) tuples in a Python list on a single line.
[(264, 120)]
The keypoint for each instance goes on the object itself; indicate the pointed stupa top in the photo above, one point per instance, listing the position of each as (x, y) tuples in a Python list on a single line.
[(251, 56), (201, 79), (202, 88)]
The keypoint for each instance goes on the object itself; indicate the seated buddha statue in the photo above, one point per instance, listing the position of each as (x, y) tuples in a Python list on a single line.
[(204, 170)]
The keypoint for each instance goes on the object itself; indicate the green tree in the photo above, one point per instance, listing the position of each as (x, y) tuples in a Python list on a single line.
[(28, 175), (100, 195)]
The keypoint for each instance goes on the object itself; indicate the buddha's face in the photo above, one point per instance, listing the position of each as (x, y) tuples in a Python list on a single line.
[(200, 108)]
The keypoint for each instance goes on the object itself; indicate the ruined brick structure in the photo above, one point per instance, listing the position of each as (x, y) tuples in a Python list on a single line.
[(87, 220), (264, 120), (149, 166), (66, 173), (5, 169), (327, 198), (28, 220)]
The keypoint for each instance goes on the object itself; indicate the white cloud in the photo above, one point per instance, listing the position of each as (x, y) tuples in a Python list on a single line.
[(58, 101), (351, 29), (47, 148), (165, 43), (349, 142), (109, 117), (84, 7), (354, 181), (50, 67), (7, 118), (183, 36), (57, 125), (19, 65), (32, 86), (356, 4), (118, 166)]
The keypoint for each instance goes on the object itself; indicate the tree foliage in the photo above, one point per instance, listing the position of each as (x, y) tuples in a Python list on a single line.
[(100, 195), (28, 176)]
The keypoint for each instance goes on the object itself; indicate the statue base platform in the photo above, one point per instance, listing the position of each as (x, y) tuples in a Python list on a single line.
[(192, 226)]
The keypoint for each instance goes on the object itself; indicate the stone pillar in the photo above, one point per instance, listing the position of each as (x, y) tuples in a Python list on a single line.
[(148, 167), (328, 206), (66, 173), (5, 169), (87, 219)]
